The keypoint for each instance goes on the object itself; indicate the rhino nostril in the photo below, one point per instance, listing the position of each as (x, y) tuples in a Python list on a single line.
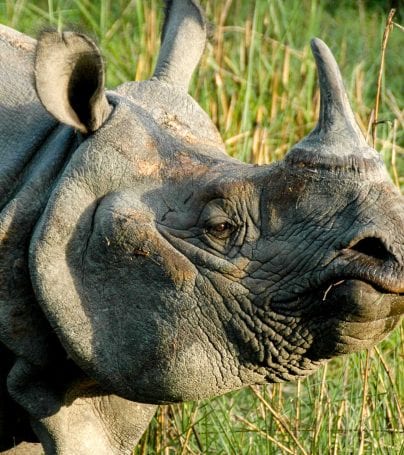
[(372, 247)]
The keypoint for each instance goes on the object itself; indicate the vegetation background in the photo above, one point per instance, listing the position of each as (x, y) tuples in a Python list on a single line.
[(257, 80)]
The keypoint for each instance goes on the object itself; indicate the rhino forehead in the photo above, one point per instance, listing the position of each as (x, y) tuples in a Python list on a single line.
[(174, 111), (172, 138)]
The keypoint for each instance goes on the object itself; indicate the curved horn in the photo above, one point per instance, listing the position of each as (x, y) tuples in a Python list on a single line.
[(336, 141), (335, 111), (183, 42)]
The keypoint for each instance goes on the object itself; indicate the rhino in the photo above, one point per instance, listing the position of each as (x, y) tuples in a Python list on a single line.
[(142, 265)]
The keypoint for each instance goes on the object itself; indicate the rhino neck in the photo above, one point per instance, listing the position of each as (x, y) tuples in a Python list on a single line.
[(21, 320), (33, 151), (24, 123)]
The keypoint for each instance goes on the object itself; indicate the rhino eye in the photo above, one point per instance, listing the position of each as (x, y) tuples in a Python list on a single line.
[(221, 230)]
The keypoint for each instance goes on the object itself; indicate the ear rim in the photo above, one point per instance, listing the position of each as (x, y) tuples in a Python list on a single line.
[(58, 56)]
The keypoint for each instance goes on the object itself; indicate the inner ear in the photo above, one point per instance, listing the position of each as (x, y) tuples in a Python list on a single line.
[(84, 87), (69, 73)]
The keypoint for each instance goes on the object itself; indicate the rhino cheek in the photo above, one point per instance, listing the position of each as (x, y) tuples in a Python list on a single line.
[(159, 350), (52, 280), (120, 300)]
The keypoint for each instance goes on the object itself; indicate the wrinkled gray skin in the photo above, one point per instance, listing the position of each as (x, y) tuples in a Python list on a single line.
[(140, 264)]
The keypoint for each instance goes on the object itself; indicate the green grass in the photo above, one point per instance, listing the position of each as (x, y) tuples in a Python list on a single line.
[(257, 81)]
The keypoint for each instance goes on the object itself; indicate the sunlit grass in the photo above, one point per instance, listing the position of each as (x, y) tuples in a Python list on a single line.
[(257, 81)]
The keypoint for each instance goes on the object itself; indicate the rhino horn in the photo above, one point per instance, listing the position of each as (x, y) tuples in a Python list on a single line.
[(335, 111), (183, 42), (337, 141)]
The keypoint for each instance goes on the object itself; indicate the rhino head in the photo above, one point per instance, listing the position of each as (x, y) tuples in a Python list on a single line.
[(172, 272)]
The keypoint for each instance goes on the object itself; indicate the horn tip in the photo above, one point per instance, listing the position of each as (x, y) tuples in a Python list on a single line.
[(318, 46)]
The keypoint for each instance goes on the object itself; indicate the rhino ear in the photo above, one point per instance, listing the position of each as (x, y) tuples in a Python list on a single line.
[(69, 73), (183, 42)]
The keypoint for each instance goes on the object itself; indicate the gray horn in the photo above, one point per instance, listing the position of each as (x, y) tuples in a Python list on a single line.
[(337, 141)]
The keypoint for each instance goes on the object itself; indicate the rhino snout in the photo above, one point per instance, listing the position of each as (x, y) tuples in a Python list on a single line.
[(377, 264)]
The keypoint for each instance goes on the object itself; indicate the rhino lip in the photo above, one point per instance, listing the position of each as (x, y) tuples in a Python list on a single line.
[(356, 283), (350, 315), (344, 300), (387, 277), (326, 289), (369, 280), (360, 301)]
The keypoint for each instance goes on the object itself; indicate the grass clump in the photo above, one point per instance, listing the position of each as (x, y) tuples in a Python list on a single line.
[(257, 80)]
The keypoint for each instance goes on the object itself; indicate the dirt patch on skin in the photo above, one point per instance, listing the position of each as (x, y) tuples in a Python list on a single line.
[(148, 169), (17, 39), (185, 166), (25, 448), (178, 128)]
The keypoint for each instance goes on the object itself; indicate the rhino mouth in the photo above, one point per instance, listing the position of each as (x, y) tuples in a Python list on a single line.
[(365, 283), (361, 301), (354, 315), (381, 270), (367, 278), (358, 300)]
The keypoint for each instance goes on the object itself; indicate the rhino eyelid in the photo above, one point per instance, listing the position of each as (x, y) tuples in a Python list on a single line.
[(220, 230)]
